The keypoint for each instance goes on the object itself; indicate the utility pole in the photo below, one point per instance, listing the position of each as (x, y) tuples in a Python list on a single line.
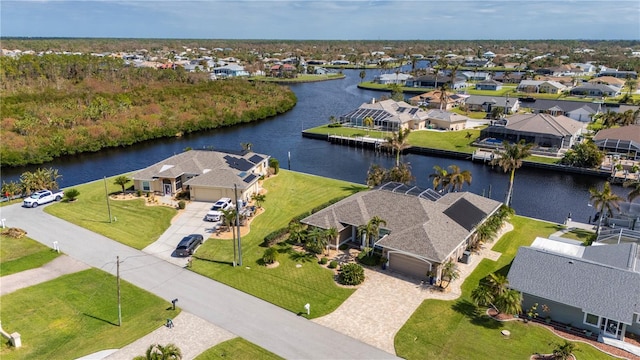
[(237, 224), (107, 194), (118, 281)]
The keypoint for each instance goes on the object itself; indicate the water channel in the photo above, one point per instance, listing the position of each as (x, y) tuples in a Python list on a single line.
[(537, 193)]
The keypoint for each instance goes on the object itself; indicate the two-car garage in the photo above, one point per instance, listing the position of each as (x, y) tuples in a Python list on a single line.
[(408, 265)]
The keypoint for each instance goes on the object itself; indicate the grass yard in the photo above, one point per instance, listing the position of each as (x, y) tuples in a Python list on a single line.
[(288, 195), (237, 349), (581, 235), (77, 314), (445, 140), (22, 254), (137, 225), (458, 330), (348, 131)]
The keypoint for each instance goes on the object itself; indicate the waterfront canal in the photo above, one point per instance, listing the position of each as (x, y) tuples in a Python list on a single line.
[(537, 193)]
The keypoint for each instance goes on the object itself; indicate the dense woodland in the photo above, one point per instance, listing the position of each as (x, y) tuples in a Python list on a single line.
[(56, 105)]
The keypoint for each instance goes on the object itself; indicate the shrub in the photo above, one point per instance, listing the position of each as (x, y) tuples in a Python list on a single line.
[(181, 204), (275, 165), (139, 193), (351, 274), (72, 194), (343, 247), (369, 258), (274, 236), (270, 255), (333, 264), (334, 125), (324, 261)]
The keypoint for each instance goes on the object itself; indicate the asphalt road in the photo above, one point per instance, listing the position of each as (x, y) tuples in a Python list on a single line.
[(260, 322)]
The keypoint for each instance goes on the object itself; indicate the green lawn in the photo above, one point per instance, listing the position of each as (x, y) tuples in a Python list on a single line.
[(22, 254), (445, 140), (581, 235), (290, 287), (457, 330), (237, 349), (135, 224), (77, 314)]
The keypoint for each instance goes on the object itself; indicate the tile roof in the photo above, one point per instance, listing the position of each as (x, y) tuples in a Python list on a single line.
[(429, 229), (544, 124), (592, 286)]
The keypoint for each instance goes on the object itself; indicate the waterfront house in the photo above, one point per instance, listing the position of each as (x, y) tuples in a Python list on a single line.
[(487, 103), (387, 115), (433, 81), (423, 229), (545, 131), (476, 75), (434, 100), (577, 110), (595, 288), (618, 74), (489, 85), (595, 90), (446, 120), (230, 70), (386, 79), (207, 175), (541, 86), (608, 80), (622, 141)]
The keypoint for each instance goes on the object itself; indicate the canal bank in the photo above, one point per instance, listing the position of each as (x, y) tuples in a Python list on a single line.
[(376, 145)]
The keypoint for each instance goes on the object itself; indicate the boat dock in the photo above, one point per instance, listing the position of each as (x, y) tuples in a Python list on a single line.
[(358, 141), (484, 155)]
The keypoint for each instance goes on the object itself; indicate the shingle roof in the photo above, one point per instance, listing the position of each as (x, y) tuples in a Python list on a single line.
[(210, 168), (596, 288), (544, 124), (419, 226), (628, 133), (447, 116)]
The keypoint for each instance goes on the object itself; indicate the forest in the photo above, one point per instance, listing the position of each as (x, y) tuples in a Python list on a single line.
[(56, 105)]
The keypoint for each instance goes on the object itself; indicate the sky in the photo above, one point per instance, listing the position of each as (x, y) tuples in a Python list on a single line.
[(324, 20)]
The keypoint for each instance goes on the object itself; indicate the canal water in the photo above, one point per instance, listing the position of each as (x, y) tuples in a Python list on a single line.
[(537, 193)]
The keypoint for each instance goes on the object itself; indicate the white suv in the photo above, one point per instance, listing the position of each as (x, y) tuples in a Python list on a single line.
[(215, 214)]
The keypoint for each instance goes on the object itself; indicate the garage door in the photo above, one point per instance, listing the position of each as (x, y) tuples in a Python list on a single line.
[(408, 265), (207, 194)]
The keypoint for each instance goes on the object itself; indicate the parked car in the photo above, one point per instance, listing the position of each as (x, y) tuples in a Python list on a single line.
[(215, 214), (42, 197), (188, 245)]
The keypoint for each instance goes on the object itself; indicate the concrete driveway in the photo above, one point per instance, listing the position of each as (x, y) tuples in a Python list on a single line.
[(188, 221)]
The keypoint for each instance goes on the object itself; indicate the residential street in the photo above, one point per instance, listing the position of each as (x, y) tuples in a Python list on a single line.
[(262, 323)]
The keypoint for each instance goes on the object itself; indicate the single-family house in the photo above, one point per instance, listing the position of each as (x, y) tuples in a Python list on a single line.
[(567, 108), (446, 120), (608, 80), (399, 78), (435, 100), (436, 81), (595, 90), (595, 288), (476, 75), (489, 85), (488, 103), (231, 70), (541, 86), (509, 77), (387, 115), (423, 229), (544, 130), (207, 175), (619, 74), (624, 140)]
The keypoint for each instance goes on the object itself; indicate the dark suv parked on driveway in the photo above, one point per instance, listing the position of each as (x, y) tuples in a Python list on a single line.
[(188, 245)]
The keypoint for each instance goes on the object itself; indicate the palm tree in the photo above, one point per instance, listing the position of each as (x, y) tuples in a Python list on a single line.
[(457, 178), (122, 181), (316, 240), (296, 232), (440, 178), (331, 234), (375, 175), (635, 191), (401, 174), (398, 142), (494, 291), (259, 199), (563, 351), (450, 272), (159, 352), (229, 219), (363, 74), (604, 200), (368, 122), (510, 302), (10, 188), (631, 84), (510, 159)]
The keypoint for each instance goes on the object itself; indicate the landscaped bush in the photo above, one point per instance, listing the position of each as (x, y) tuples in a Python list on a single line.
[(139, 193), (369, 258), (270, 255), (333, 264), (334, 125), (274, 237), (181, 205), (72, 194), (343, 247), (275, 165), (351, 274), (324, 261)]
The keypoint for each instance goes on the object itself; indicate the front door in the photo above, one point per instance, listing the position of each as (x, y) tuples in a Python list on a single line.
[(167, 189), (611, 328)]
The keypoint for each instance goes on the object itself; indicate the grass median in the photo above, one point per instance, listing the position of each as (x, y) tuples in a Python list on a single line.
[(77, 314), (22, 254), (298, 279), (458, 330), (237, 349), (133, 222)]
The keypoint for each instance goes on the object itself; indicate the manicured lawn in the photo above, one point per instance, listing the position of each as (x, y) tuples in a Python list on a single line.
[(457, 330), (348, 131), (288, 286), (581, 235), (445, 140), (135, 224), (237, 349), (22, 254), (77, 314)]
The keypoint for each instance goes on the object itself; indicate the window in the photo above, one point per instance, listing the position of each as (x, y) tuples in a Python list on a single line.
[(145, 186), (591, 319)]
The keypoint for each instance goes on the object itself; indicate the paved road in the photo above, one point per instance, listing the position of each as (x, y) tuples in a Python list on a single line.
[(262, 323)]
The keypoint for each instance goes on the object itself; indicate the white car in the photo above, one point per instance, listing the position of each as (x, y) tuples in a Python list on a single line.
[(215, 214)]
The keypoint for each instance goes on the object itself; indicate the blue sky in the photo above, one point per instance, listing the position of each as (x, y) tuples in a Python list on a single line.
[(330, 20)]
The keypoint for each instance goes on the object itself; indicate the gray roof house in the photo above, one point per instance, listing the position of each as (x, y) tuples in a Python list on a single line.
[(596, 288), (595, 90), (487, 103), (387, 115), (544, 130), (207, 175), (442, 119), (623, 140), (489, 84), (423, 228)]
